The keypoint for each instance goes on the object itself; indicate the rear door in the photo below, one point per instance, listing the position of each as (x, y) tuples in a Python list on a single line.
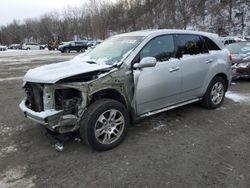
[(159, 86), (36, 46), (73, 46), (195, 63), (78, 45)]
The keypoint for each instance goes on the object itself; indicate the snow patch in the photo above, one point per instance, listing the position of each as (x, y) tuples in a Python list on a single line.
[(237, 97), (15, 177), (6, 150), (9, 149), (17, 68), (159, 126), (11, 79), (6, 130)]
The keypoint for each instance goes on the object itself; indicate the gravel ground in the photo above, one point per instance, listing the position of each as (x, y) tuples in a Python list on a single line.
[(186, 147)]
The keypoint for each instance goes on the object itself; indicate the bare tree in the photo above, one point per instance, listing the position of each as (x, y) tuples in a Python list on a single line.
[(97, 18)]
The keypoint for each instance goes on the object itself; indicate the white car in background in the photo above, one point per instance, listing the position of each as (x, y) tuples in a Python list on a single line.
[(30, 46), (3, 48), (232, 39)]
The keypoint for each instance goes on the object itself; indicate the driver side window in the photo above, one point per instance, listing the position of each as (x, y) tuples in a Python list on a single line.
[(162, 48)]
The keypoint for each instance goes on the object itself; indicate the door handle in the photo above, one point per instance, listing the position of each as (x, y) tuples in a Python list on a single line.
[(209, 61), (173, 69)]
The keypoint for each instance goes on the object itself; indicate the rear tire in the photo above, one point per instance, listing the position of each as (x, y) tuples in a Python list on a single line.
[(215, 93), (104, 125)]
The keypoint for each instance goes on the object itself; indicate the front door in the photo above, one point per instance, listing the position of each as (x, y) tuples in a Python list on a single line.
[(159, 86)]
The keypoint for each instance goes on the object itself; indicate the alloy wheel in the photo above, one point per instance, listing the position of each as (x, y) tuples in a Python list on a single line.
[(217, 93), (109, 126)]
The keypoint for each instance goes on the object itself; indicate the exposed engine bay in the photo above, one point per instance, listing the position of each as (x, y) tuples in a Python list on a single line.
[(60, 106)]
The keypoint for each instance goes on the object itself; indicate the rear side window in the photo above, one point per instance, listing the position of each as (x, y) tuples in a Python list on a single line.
[(79, 43), (162, 48), (210, 44), (190, 45)]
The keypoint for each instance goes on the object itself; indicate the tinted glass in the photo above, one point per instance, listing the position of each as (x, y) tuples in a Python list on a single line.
[(210, 44), (189, 44), (79, 43), (162, 48)]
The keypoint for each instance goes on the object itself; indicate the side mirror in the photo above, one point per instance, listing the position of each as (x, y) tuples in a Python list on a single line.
[(146, 62)]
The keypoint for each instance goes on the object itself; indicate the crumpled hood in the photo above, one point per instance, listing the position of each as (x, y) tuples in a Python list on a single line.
[(54, 72)]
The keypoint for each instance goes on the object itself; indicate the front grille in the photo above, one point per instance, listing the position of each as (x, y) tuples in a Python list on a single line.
[(34, 92)]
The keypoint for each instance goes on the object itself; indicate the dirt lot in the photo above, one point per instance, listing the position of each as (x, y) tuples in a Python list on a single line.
[(187, 147)]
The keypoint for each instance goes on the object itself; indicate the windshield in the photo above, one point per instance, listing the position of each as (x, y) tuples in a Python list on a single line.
[(65, 43), (113, 50), (239, 48)]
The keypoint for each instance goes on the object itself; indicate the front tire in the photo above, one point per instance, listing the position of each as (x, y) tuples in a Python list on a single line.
[(215, 93), (66, 50), (104, 125)]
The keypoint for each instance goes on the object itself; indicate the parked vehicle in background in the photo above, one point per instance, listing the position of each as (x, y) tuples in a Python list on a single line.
[(247, 38), (93, 43), (3, 48), (30, 46), (230, 40), (79, 46), (15, 47), (125, 78), (43, 46), (240, 53)]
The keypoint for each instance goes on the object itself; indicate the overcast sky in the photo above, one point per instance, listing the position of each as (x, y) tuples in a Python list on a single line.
[(21, 9)]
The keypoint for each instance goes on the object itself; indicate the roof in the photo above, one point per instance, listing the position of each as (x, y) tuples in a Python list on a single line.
[(156, 32), (148, 32)]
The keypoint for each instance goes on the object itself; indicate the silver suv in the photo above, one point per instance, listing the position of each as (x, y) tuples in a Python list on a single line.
[(127, 77)]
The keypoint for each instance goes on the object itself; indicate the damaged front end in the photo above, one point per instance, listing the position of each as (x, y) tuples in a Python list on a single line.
[(60, 106), (57, 106)]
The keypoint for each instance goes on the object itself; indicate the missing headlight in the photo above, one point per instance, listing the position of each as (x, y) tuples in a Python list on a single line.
[(67, 100)]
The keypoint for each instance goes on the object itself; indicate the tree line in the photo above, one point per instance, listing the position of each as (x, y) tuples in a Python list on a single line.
[(98, 19)]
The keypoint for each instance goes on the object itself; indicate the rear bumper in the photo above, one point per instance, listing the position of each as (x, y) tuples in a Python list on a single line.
[(49, 118)]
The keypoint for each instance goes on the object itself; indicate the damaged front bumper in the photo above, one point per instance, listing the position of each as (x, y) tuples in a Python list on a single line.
[(49, 118)]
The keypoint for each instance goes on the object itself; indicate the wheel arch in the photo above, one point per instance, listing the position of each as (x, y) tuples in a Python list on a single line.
[(224, 77), (115, 95), (108, 94)]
